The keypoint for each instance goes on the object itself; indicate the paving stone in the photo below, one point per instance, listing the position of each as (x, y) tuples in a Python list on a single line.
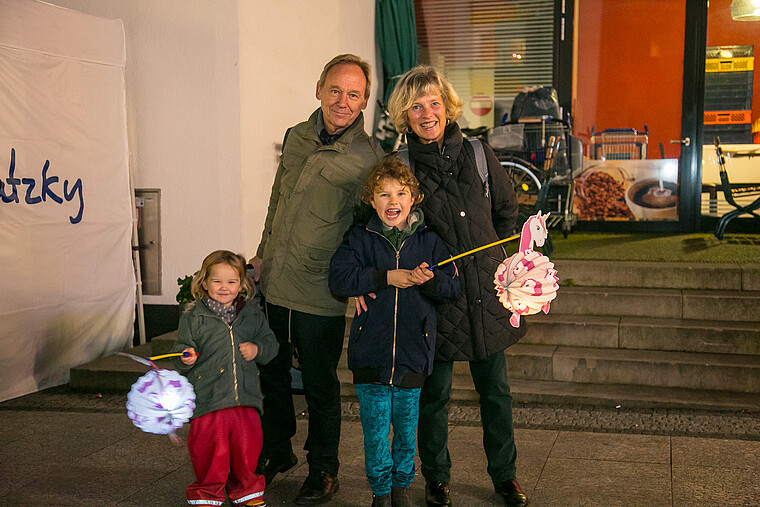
[(693, 485), (579, 482), (612, 447), (716, 453)]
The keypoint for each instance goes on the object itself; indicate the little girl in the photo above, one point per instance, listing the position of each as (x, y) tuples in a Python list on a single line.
[(225, 337)]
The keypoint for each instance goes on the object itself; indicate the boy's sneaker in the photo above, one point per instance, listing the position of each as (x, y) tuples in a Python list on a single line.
[(400, 497)]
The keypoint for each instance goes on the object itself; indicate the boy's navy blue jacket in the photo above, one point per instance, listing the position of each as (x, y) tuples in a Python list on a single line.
[(393, 342)]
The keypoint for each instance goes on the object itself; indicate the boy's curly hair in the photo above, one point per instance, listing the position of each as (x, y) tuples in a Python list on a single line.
[(391, 166)]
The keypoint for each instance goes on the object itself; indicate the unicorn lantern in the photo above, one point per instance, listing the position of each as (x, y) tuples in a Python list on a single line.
[(526, 282)]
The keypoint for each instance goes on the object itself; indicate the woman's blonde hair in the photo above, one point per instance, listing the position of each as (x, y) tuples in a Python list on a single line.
[(233, 260), (391, 166), (418, 82)]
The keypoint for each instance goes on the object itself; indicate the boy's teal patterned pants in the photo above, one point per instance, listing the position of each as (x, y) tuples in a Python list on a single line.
[(380, 406)]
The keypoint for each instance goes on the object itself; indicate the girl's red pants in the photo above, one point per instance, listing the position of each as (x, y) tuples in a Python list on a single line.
[(224, 448)]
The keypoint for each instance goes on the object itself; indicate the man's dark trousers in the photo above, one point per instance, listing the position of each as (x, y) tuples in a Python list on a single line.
[(318, 341)]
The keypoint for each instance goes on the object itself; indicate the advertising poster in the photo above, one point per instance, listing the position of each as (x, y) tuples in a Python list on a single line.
[(631, 190)]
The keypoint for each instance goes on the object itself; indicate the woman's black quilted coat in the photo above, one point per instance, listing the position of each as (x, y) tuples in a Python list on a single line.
[(456, 207)]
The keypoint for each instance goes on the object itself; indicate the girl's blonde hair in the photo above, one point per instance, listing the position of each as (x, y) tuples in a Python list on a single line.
[(418, 82), (233, 260), (392, 167)]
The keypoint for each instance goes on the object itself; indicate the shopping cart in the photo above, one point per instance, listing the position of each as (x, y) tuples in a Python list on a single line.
[(541, 157), (619, 144)]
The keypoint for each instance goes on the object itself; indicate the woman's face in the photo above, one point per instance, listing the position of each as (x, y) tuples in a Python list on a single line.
[(427, 118)]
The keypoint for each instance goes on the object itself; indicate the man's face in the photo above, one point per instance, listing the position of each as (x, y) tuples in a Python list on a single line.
[(342, 96)]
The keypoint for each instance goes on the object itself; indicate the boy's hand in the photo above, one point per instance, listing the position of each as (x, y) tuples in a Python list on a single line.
[(248, 350), (401, 278), (422, 274), (189, 358)]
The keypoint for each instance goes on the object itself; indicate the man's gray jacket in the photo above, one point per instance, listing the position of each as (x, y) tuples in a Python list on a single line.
[(315, 198)]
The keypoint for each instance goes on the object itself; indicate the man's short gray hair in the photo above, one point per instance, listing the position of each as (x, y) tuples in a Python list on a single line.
[(349, 58)]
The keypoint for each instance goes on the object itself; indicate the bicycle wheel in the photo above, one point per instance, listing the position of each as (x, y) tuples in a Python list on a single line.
[(525, 178)]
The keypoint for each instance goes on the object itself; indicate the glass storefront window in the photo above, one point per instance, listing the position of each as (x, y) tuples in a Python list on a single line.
[(627, 107), (490, 50), (732, 106)]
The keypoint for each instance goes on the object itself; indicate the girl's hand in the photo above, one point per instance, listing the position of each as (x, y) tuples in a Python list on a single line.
[(401, 278), (422, 274), (248, 350), (191, 356)]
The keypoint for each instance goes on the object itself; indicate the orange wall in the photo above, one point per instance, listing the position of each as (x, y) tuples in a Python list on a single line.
[(630, 69)]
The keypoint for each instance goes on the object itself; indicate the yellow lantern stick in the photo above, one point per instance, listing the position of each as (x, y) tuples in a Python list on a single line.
[(434, 266), (164, 356)]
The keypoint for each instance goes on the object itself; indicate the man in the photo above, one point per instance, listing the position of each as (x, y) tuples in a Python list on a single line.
[(315, 199)]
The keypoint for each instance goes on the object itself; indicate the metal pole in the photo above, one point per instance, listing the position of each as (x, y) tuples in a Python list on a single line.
[(136, 264)]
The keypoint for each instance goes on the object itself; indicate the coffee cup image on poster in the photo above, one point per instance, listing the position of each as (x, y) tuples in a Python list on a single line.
[(627, 190)]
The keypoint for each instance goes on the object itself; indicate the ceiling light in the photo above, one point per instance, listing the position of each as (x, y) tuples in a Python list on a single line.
[(745, 10)]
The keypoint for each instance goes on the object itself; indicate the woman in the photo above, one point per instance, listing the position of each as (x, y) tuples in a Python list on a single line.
[(476, 327)]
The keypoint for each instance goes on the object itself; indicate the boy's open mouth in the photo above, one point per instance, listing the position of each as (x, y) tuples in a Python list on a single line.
[(392, 213)]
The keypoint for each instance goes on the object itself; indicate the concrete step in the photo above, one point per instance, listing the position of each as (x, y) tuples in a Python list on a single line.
[(113, 373), (644, 333), (598, 395), (659, 303), (162, 344), (689, 370), (658, 275), (724, 305)]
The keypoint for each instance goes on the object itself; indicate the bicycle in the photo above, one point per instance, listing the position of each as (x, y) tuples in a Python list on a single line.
[(541, 156)]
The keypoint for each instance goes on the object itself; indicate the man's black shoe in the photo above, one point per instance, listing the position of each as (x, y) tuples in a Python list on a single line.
[(319, 487), (270, 467), (511, 493), (437, 493)]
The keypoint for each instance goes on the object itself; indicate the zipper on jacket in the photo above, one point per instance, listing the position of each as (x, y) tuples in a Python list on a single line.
[(234, 365), (395, 304), (395, 319)]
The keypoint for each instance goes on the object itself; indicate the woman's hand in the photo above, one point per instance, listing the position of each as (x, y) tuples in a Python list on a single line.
[(248, 350), (422, 274), (189, 356)]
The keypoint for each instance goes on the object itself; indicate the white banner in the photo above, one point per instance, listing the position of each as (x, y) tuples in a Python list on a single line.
[(67, 288)]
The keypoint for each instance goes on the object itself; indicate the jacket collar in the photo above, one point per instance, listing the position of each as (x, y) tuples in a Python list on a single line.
[(241, 306), (429, 154), (343, 143)]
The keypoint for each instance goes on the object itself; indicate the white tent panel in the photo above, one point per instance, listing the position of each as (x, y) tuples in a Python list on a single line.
[(67, 287)]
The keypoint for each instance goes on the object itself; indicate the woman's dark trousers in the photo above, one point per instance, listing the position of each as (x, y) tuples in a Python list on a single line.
[(490, 379)]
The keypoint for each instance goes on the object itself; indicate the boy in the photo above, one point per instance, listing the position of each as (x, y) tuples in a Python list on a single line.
[(392, 344)]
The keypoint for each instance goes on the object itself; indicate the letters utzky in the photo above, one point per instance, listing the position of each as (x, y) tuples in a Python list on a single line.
[(11, 188)]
